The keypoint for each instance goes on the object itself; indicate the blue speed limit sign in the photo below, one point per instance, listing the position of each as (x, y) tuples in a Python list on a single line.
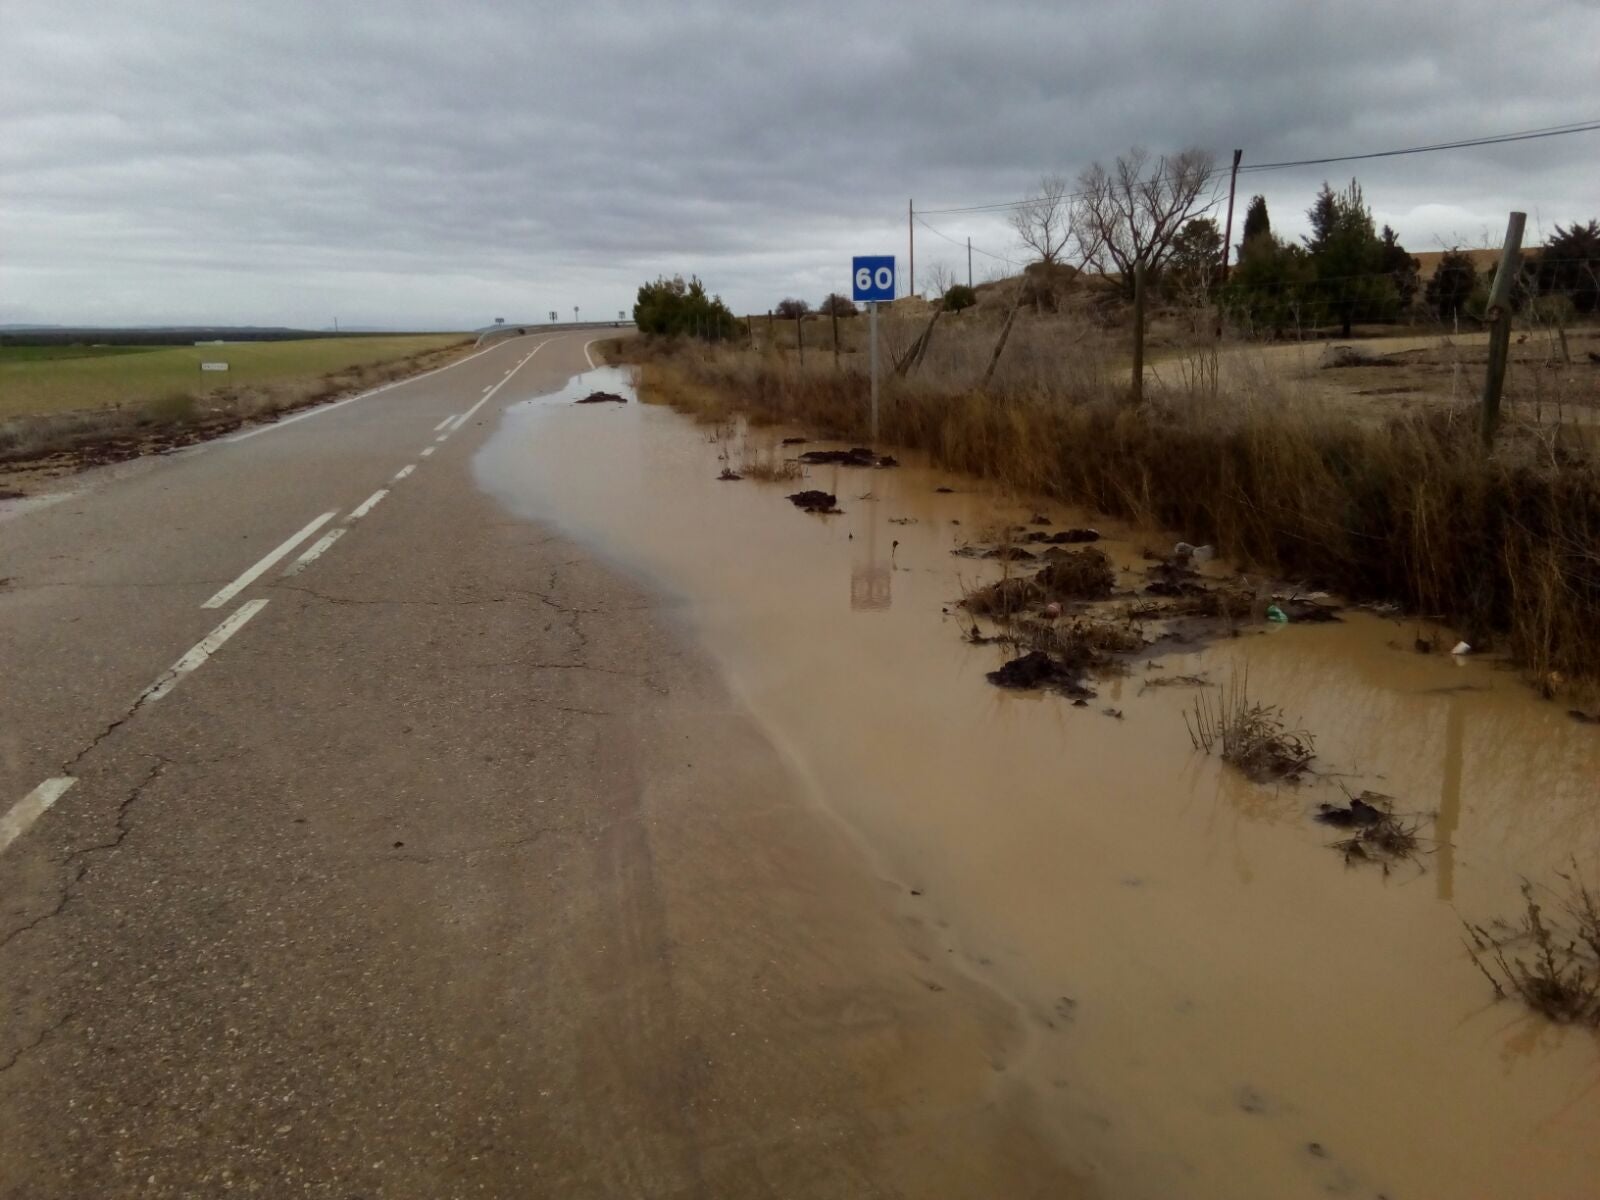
[(872, 277)]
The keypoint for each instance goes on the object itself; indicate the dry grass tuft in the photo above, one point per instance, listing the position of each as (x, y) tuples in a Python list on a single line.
[(1553, 966), (1252, 737)]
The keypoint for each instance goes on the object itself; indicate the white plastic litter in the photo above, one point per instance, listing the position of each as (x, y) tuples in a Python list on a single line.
[(1461, 648)]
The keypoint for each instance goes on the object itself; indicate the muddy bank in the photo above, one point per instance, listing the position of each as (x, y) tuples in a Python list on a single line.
[(1218, 1005)]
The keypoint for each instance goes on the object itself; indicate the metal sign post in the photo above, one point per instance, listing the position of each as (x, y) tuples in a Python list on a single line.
[(872, 322), (872, 280)]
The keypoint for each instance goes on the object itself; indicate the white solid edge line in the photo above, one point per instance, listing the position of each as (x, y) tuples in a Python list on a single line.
[(367, 505), (250, 433), (315, 552), (489, 395), (586, 353), (404, 471), (265, 564), (444, 422), (429, 451), (200, 651), (31, 807)]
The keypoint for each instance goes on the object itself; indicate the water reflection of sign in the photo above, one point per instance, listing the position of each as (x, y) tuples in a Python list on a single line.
[(871, 587)]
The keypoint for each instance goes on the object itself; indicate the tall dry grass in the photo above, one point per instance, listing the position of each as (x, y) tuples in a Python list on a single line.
[(1402, 507)]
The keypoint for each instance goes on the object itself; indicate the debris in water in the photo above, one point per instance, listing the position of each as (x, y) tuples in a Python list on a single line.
[(945, 491), (795, 441), (1039, 519), (813, 501), (1277, 615), (1361, 811), (602, 398), (1460, 648), (902, 520), (1002, 598), (729, 474), (856, 456), (1583, 718), (1380, 836)]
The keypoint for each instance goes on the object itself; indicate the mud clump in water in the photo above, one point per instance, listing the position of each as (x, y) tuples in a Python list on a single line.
[(1036, 669), (1063, 537), (856, 456), (1003, 599), (1078, 575), (602, 398), (813, 501), (729, 475), (1000, 553)]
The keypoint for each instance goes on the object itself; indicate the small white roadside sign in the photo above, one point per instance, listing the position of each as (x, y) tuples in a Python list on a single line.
[(213, 366)]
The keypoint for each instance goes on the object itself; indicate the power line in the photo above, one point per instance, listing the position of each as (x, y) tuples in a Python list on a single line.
[(1465, 143), (1497, 139)]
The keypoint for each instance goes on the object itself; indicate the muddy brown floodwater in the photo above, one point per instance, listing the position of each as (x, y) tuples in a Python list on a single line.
[(1218, 1005)]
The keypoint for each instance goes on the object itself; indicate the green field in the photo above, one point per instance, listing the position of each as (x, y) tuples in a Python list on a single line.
[(48, 379)]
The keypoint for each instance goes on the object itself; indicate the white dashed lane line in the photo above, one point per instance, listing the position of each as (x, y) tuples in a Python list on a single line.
[(404, 471), (31, 807), (444, 422), (199, 652), (265, 564), (367, 505), (315, 552)]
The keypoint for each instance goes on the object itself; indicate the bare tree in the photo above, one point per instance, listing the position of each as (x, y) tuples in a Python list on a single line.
[(1132, 213), (1044, 221), (938, 278)]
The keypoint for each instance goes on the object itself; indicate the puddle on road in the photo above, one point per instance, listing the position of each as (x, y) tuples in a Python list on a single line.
[(1219, 1006)]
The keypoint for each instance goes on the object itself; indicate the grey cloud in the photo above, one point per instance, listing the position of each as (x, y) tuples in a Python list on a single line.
[(413, 164)]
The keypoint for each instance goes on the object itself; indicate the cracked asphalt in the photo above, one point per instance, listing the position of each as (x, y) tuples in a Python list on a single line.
[(454, 871)]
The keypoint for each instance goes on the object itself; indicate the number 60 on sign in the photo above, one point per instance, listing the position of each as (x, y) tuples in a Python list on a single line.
[(873, 277)]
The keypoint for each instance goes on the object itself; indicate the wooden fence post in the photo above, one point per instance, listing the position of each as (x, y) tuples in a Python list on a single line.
[(834, 308), (1000, 342), (1499, 317), (1136, 393), (800, 340)]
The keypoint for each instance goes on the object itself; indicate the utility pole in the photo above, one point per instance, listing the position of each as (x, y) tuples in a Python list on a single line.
[(1227, 238), (1499, 319), (911, 241), (969, 262)]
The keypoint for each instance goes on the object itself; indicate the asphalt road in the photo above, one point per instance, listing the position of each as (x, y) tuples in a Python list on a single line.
[(359, 839)]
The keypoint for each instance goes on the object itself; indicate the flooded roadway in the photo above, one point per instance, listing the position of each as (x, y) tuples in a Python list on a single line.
[(1217, 1004)]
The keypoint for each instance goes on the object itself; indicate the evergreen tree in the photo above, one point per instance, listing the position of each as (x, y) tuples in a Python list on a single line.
[(1349, 259), (1569, 264), (1256, 221), (1452, 285)]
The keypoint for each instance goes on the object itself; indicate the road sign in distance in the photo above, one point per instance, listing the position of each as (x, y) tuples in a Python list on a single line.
[(872, 277)]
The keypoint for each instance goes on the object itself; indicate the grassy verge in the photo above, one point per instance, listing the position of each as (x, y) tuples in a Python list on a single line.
[(1404, 507), (155, 413)]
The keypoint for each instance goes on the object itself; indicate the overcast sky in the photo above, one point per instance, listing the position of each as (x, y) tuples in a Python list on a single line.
[(437, 165)]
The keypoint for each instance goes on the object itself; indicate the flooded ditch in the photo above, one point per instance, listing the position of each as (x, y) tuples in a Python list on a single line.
[(1221, 1000)]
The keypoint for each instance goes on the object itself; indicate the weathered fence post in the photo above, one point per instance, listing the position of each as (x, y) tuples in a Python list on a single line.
[(1136, 392), (800, 340), (1000, 342), (834, 309), (1499, 317)]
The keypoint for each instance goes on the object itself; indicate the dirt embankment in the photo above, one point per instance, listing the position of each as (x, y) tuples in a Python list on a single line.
[(39, 447)]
